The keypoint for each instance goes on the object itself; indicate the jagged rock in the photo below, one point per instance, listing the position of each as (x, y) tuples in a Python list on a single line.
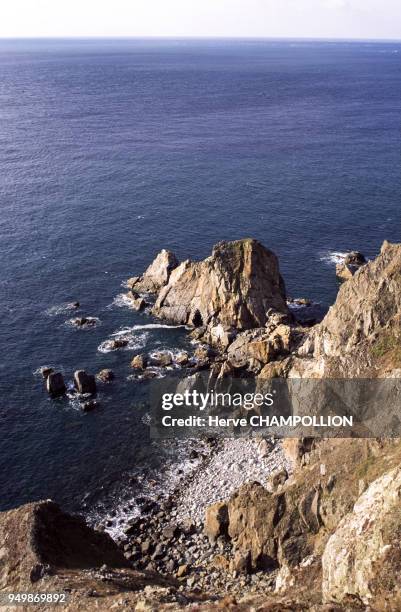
[(216, 521), (241, 563), (55, 384), (366, 315), (235, 287), (139, 362), (264, 345), (105, 375), (278, 478), (182, 358), (156, 275), (362, 559), (344, 271), (137, 302), (84, 382), (355, 258)]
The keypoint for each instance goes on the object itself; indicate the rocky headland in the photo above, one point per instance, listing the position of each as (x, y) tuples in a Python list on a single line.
[(312, 524)]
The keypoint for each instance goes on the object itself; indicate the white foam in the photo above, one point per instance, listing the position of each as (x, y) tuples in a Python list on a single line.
[(134, 341), (60, 309), (333, 257)]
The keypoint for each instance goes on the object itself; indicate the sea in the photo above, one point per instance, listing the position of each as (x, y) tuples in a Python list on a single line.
[(113, 149)]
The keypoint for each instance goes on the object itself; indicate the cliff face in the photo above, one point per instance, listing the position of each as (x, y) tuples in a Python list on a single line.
[(360, 333), (235, 287)]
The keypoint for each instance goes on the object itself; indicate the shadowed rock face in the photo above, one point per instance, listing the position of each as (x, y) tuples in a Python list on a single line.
[(235, 286), (38, 538)]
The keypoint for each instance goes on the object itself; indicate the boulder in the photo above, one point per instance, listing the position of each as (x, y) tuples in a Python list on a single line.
[(38, 539), (105, 375), (157, 274), (355, 258), (118, 343), (216, 521), (234, 287), (55, 384), (162, 358), (181, 358), (84, 383), (278, 478), (84, 322), (362, 559), (139, 362), (46, 371)]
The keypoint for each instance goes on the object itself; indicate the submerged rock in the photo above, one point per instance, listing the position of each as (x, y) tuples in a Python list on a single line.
[(105, 375), (84, 383), (55, 384), (89, 405), (84, 322)]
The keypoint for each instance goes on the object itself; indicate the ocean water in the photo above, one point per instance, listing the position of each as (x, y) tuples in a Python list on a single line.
[(113, 149)]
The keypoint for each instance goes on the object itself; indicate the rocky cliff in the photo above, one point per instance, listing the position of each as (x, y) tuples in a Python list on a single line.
[(235, 287)]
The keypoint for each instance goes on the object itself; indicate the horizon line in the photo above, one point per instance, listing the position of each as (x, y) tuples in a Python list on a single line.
[(202, 37)]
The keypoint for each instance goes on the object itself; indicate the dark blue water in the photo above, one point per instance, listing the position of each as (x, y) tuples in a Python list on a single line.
[(111, 150)]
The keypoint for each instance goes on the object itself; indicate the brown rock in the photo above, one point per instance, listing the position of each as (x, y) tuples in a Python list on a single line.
[(105, 375), (216, 521), (84, 383), (156, 275), (139, 362), (162, 358), (235, 287), (55, 384), (182, 570)]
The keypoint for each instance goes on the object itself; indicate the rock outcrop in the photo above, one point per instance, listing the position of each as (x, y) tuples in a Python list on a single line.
[(234, 288), (84, 382), (38, 539), (363, 324), (156, 276), (352, 262), (55, 384), (362, 559)]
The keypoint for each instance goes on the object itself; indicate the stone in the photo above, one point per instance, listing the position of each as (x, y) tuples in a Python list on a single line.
[(278, 478), (105, 375), (138, 303), (344, 271), (45, 371), (55, 384), (84, 382), (181, 358), (241, 562), (162, 358), (89, 405), (182, 570), (362, 558), (216, 521), (355, 258), (84, 321), (139, 362), (233, 287), (157, 274), (118, 343)]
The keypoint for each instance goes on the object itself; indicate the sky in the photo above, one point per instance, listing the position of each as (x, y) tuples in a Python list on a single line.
[(372, 19)]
